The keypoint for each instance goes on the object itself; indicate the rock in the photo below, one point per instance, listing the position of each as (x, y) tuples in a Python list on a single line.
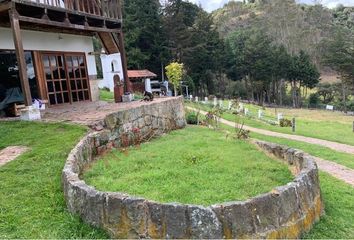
[(237, 219), (111, 121), (175, 221), (204, 223)]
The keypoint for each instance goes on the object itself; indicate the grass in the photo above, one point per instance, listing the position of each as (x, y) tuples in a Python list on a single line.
[(31, 198), (344, 159), (315, 125), (338, 196), (339, 206), (32, 203), (106, 95), (194, 165)]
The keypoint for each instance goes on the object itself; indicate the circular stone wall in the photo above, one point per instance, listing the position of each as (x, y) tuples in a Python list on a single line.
[(285, 212)]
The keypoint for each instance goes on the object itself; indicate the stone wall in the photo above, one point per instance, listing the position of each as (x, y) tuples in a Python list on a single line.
[(285, 212)]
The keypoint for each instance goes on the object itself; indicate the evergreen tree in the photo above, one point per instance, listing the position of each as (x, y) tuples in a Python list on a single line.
[(144, 34)]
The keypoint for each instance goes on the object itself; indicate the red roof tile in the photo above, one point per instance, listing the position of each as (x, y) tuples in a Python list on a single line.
[(141, 74)]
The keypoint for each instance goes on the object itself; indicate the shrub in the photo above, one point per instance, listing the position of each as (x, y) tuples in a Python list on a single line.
[(192, 118), (243, 134), (314, 100), (285, 123)]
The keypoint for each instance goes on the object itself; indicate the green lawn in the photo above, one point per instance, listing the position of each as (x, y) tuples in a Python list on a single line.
[(109, 96), (344, 159), (32, 203), (311, 124), (106, 96), (31, 198), (195, 165), (315, 150), (339, 206), (338, 196)]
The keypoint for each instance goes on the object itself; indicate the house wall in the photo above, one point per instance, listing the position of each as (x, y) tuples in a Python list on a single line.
[(43, 41), (107, 72)]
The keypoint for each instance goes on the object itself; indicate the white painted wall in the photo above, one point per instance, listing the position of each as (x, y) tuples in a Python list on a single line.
[(43, 41), (108, 74)]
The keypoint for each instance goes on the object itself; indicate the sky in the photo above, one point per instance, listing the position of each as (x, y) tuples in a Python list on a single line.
[(211, 5)]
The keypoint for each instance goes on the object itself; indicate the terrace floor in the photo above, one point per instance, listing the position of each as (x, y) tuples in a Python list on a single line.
[(90, 113)]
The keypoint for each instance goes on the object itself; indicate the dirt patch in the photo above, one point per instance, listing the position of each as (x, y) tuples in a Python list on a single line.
[(11, 153)]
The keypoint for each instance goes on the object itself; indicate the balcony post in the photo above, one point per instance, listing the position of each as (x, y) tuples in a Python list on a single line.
[(20, 55), (128, 84)]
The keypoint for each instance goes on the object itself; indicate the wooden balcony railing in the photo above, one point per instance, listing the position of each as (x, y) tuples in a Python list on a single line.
[(104, 8)]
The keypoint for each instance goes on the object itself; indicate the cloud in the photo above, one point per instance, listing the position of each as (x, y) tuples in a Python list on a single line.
[(210, 5)]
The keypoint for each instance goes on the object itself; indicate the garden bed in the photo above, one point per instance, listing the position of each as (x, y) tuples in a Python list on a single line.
[(195, 165), (187, 165)]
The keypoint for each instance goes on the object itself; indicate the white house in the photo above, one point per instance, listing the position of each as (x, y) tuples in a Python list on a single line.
[(111, 65), (46, 48)]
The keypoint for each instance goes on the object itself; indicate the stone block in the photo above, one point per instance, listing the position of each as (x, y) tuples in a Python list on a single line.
[(141, 123), (147, 120), (204, 223), (111, 121), (237, 219), (288, 209), (264, 209), (155, 227), (175, 221), (125, 217), (30, 114)]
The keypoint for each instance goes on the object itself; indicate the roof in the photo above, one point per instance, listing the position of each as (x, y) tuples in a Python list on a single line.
[(141, 74)]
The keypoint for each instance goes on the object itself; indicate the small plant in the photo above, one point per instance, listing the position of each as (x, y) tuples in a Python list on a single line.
[(285, 123), (192, 118), (235, 103), (137, 138), (243, 134), (240, 132), (213, 117), (192, 159)]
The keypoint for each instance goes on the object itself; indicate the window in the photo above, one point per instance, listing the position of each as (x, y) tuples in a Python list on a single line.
[(9, 73)]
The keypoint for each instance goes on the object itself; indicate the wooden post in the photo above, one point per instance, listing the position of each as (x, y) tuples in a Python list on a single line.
[(128, 85), (20, 55), (294, 125)]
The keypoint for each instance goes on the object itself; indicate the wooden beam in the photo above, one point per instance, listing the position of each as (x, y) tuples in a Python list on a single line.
[(66, 25), (128, 84), (20, 55), (39, 71)]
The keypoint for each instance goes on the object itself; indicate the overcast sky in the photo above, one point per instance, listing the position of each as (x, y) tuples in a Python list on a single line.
[(211, 5)]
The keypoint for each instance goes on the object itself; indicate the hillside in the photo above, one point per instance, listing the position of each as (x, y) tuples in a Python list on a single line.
[(296, 26)]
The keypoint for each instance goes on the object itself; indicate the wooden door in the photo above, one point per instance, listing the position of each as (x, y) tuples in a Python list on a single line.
[(56, 78), (78, 77), (66, 77)]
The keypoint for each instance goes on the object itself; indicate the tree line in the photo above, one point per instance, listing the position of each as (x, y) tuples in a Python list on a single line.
[(269, 51)]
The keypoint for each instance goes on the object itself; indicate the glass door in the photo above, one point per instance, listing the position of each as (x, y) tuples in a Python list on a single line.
[(56, 78), (66, 77), (77, 75)]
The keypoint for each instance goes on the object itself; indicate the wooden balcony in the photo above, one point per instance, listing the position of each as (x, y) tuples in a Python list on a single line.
[(110, 9), (65, 15)]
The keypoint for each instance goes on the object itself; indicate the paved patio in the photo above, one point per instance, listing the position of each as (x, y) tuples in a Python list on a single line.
[(89, 113)]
